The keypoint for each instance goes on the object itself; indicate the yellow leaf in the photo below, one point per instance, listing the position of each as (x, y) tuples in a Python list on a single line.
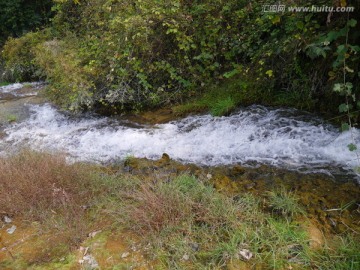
[(269, 73), (276, 19)]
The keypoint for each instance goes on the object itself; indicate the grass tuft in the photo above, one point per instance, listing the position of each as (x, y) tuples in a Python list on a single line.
[(223, 107), (284, 203)]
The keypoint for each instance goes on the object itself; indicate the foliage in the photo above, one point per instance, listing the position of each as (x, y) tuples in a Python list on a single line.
[(129, 55), (19, 56), (20, 16)]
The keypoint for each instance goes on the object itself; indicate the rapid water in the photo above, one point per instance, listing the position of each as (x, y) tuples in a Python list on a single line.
[(17, 90), (256, 134)]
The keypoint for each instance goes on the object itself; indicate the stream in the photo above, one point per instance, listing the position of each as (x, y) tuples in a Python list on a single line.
[(281, 137)]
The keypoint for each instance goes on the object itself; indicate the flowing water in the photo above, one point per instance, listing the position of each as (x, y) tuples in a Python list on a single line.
[(285, 138)]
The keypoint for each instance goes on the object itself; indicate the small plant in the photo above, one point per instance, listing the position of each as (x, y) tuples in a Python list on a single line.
[(223, 107), (4, 83), (12, 118), (342, 254), (284, 203)]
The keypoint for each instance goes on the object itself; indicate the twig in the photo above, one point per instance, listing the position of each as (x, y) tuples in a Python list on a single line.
[(349, 228)]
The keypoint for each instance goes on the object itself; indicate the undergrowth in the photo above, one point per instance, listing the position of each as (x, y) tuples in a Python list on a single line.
[(183, 221)]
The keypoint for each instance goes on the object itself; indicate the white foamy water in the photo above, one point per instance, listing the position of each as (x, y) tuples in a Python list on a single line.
[(15, 89), (280, 137)]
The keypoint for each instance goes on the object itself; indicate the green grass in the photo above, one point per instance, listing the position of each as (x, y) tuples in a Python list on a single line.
[(219, 99), (341, 253), (184, 222), (222, 98), (11, 118), (223, 107), (284, 203), (172, 216), (4, 83)]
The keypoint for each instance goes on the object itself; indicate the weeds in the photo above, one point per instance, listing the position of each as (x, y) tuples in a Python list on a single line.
[(11, 118), (284, 203), (33, 184), (223, 107), (4, 83), (343, 253), (220, 100), (43, 188), (183, 222)]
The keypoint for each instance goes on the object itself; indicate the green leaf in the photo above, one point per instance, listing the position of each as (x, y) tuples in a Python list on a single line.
[(276, 19), (269, 73), (300, 25), (352, 23), (341, 49), (352, 147), (308, 17), (355, 48), (338, 87), (345, 127), (231, 73), (343, 107), (348, 88)]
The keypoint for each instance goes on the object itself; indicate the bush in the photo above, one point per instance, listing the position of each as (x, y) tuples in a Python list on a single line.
[(19, 57), (123, 56)]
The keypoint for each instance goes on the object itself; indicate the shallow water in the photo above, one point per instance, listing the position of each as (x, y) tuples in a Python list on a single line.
[(285, 138), (17, 90)]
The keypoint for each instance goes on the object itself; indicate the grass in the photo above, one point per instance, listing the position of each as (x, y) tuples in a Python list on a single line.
[(11, 118), (4, 83), (346, 255), (222, 98), (223, 107), (283, 202), (183, 222), (219, 100)]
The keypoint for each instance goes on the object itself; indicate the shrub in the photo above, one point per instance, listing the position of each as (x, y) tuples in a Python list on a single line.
[(19, 56)]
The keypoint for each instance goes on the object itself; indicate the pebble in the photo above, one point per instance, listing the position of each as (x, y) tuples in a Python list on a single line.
[(245, 254), (125, 255), (93, 234), (90, 262), (186, 257), (11, 230), (7, 219)]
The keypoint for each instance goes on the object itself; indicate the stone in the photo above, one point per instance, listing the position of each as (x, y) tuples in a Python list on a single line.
[(245, 254), (11, 230), (7, 219), (186, 257)]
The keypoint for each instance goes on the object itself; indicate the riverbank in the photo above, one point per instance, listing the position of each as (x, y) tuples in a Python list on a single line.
[(160, 213), (143, 214)]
